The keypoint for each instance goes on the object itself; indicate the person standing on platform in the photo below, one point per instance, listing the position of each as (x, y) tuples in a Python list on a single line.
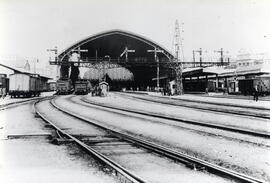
[(255, 94)]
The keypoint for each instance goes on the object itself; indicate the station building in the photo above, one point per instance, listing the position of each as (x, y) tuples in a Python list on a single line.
[(240, 77), (128, 60)]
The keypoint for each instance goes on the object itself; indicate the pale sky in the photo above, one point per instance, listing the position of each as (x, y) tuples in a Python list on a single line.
[(29, 27)]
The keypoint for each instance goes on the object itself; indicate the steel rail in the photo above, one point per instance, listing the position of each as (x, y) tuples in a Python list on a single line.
[(14, 104), (217, 126), (242, 113), (128, 114), (199, 101), (120, 171), (184, 158)]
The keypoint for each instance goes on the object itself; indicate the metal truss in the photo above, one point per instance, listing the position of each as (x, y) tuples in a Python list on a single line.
[(116, 63)]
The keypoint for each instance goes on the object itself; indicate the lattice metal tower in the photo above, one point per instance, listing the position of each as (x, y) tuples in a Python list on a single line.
[(177, 42)]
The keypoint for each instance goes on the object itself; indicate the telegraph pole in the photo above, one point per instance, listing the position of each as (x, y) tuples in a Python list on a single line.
[(156, 60), (221, 56), (126, 51), (200, 52), (193, 54)]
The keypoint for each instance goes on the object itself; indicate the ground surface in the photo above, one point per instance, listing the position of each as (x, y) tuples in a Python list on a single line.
[(187, 113), (226, 152), (149, 166), (35, 159), (220, 98), (21, 160), (9, 100)]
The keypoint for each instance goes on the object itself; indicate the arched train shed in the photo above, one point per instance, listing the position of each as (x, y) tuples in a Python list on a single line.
[(124, 49)]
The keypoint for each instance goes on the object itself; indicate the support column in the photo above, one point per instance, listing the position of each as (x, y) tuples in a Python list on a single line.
[(216, 82), (179, 81), (157, 71), (198, 81), (200, 57), (226, 84), (206, 84)]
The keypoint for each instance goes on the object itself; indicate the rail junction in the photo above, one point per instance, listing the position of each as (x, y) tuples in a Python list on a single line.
[(121, 138), (130, 127), (114, 136)]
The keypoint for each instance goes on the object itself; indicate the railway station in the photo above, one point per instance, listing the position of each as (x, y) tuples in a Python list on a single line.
[(128, 61), (126, 56), (127, 92), (133, 62)]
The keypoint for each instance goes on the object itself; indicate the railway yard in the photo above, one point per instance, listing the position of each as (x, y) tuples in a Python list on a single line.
[(131, 137), (135, 91)]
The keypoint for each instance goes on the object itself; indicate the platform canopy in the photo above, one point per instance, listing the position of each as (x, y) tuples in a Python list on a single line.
[(112, 46)]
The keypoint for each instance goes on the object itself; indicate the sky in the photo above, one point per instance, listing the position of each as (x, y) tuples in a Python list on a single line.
[(29, 27)]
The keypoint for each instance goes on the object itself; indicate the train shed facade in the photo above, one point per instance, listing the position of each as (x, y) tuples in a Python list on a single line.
[(119, 49)]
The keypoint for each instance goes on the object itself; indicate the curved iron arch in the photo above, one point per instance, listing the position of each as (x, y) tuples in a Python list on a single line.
[(111, 32)]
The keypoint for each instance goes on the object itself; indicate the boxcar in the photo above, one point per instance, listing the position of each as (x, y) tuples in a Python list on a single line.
[(43, 84), (24, 85), (4, 85)]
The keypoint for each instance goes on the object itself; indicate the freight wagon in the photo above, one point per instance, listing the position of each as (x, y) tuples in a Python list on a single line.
[(199, 85), (262, 83), (63, 86), (24, 85), (52, 86), (4, 83), (82, 87)]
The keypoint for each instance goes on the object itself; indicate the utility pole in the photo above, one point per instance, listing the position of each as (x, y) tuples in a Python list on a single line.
[(157, 61), (200, 52), (126, 51), (193, 54), (221, 56)]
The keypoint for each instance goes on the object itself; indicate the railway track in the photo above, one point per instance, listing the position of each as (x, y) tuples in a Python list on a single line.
[(177, 156), (256, 112), (152, 114), (119, 170), (14, 104), (193, 128)]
